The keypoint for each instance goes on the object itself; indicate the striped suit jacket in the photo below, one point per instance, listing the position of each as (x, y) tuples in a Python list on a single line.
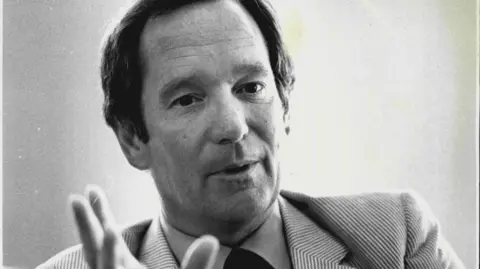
[(374, 231)]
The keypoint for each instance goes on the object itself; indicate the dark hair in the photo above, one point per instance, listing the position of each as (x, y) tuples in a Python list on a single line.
[(121, 66)]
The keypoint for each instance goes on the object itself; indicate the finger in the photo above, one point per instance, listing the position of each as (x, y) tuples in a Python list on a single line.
[(99, 202), (121, 257), (201, 254), (109, 257), (88, 227)]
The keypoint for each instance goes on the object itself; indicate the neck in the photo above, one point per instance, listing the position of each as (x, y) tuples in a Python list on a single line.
[(229, 233)]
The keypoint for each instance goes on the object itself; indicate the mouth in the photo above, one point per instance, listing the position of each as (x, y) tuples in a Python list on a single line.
[(236, 169)]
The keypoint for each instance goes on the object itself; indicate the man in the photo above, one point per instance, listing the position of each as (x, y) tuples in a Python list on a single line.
[(197, 93)]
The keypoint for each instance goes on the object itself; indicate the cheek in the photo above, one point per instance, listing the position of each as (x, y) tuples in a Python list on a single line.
[(176, 154), (172, 152), (270, 120), (162, 167), (173, 172)]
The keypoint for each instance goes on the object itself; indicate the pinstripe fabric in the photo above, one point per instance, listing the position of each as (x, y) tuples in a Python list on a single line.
[(381, 230), (73, 257), (309, 245), (374, 231), (155, 252)]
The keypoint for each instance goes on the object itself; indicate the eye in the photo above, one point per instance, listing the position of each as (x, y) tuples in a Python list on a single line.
[(252, 88), (186, 100)]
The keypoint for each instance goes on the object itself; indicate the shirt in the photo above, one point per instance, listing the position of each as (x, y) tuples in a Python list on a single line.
[(268, 242)]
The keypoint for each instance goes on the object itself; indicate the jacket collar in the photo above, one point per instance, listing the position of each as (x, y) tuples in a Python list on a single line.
[(155, 251), (309, 244)]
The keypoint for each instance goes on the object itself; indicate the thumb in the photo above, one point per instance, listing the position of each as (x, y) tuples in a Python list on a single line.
[(201, 254)]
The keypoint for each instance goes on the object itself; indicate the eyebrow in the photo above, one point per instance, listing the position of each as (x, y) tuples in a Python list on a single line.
[(255, 68)]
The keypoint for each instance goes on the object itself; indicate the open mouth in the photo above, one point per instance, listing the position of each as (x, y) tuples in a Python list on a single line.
[(237, 169)]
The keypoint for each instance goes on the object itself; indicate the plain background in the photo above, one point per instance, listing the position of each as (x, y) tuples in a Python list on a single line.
[(385, 101)]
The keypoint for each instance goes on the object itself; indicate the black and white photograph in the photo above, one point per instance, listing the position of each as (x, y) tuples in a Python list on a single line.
[(225, 134)]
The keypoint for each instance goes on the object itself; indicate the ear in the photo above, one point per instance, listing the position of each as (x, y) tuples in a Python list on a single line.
[(286, 122), (135, 150)]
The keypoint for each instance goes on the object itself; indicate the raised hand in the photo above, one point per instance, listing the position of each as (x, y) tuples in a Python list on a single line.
[(104, 247)]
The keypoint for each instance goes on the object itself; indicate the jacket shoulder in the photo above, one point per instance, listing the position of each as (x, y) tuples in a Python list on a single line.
[(73, 257), (357, 208), (70, 258), (369, 224), (397, 227)]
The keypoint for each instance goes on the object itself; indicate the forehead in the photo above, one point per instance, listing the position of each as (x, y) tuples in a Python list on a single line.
[(219, 33)]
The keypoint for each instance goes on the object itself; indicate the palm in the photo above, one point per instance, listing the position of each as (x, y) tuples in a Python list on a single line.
[(104, 247)]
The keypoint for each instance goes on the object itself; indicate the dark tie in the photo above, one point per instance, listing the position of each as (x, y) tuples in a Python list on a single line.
[(240, 258)]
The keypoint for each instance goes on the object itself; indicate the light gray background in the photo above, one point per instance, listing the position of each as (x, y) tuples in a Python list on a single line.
[(385, 101)]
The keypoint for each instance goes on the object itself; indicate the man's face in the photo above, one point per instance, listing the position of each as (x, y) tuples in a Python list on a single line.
[(212, 112)]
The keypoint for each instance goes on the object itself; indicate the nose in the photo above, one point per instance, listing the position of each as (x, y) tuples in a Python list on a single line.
[(228, 121)]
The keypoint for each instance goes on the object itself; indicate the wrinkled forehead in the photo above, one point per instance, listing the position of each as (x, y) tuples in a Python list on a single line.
[(198, 25)]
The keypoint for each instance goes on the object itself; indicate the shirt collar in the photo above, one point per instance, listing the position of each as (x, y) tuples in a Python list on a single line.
[(309, 245), (270, 234)]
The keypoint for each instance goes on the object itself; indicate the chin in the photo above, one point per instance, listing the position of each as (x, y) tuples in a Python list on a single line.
[(245, 206)]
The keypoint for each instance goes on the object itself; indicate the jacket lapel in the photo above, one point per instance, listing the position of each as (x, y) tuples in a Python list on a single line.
[(310, 245), (155, 251)]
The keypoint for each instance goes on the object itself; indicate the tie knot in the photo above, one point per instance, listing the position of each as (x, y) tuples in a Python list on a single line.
[(242, 258)]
